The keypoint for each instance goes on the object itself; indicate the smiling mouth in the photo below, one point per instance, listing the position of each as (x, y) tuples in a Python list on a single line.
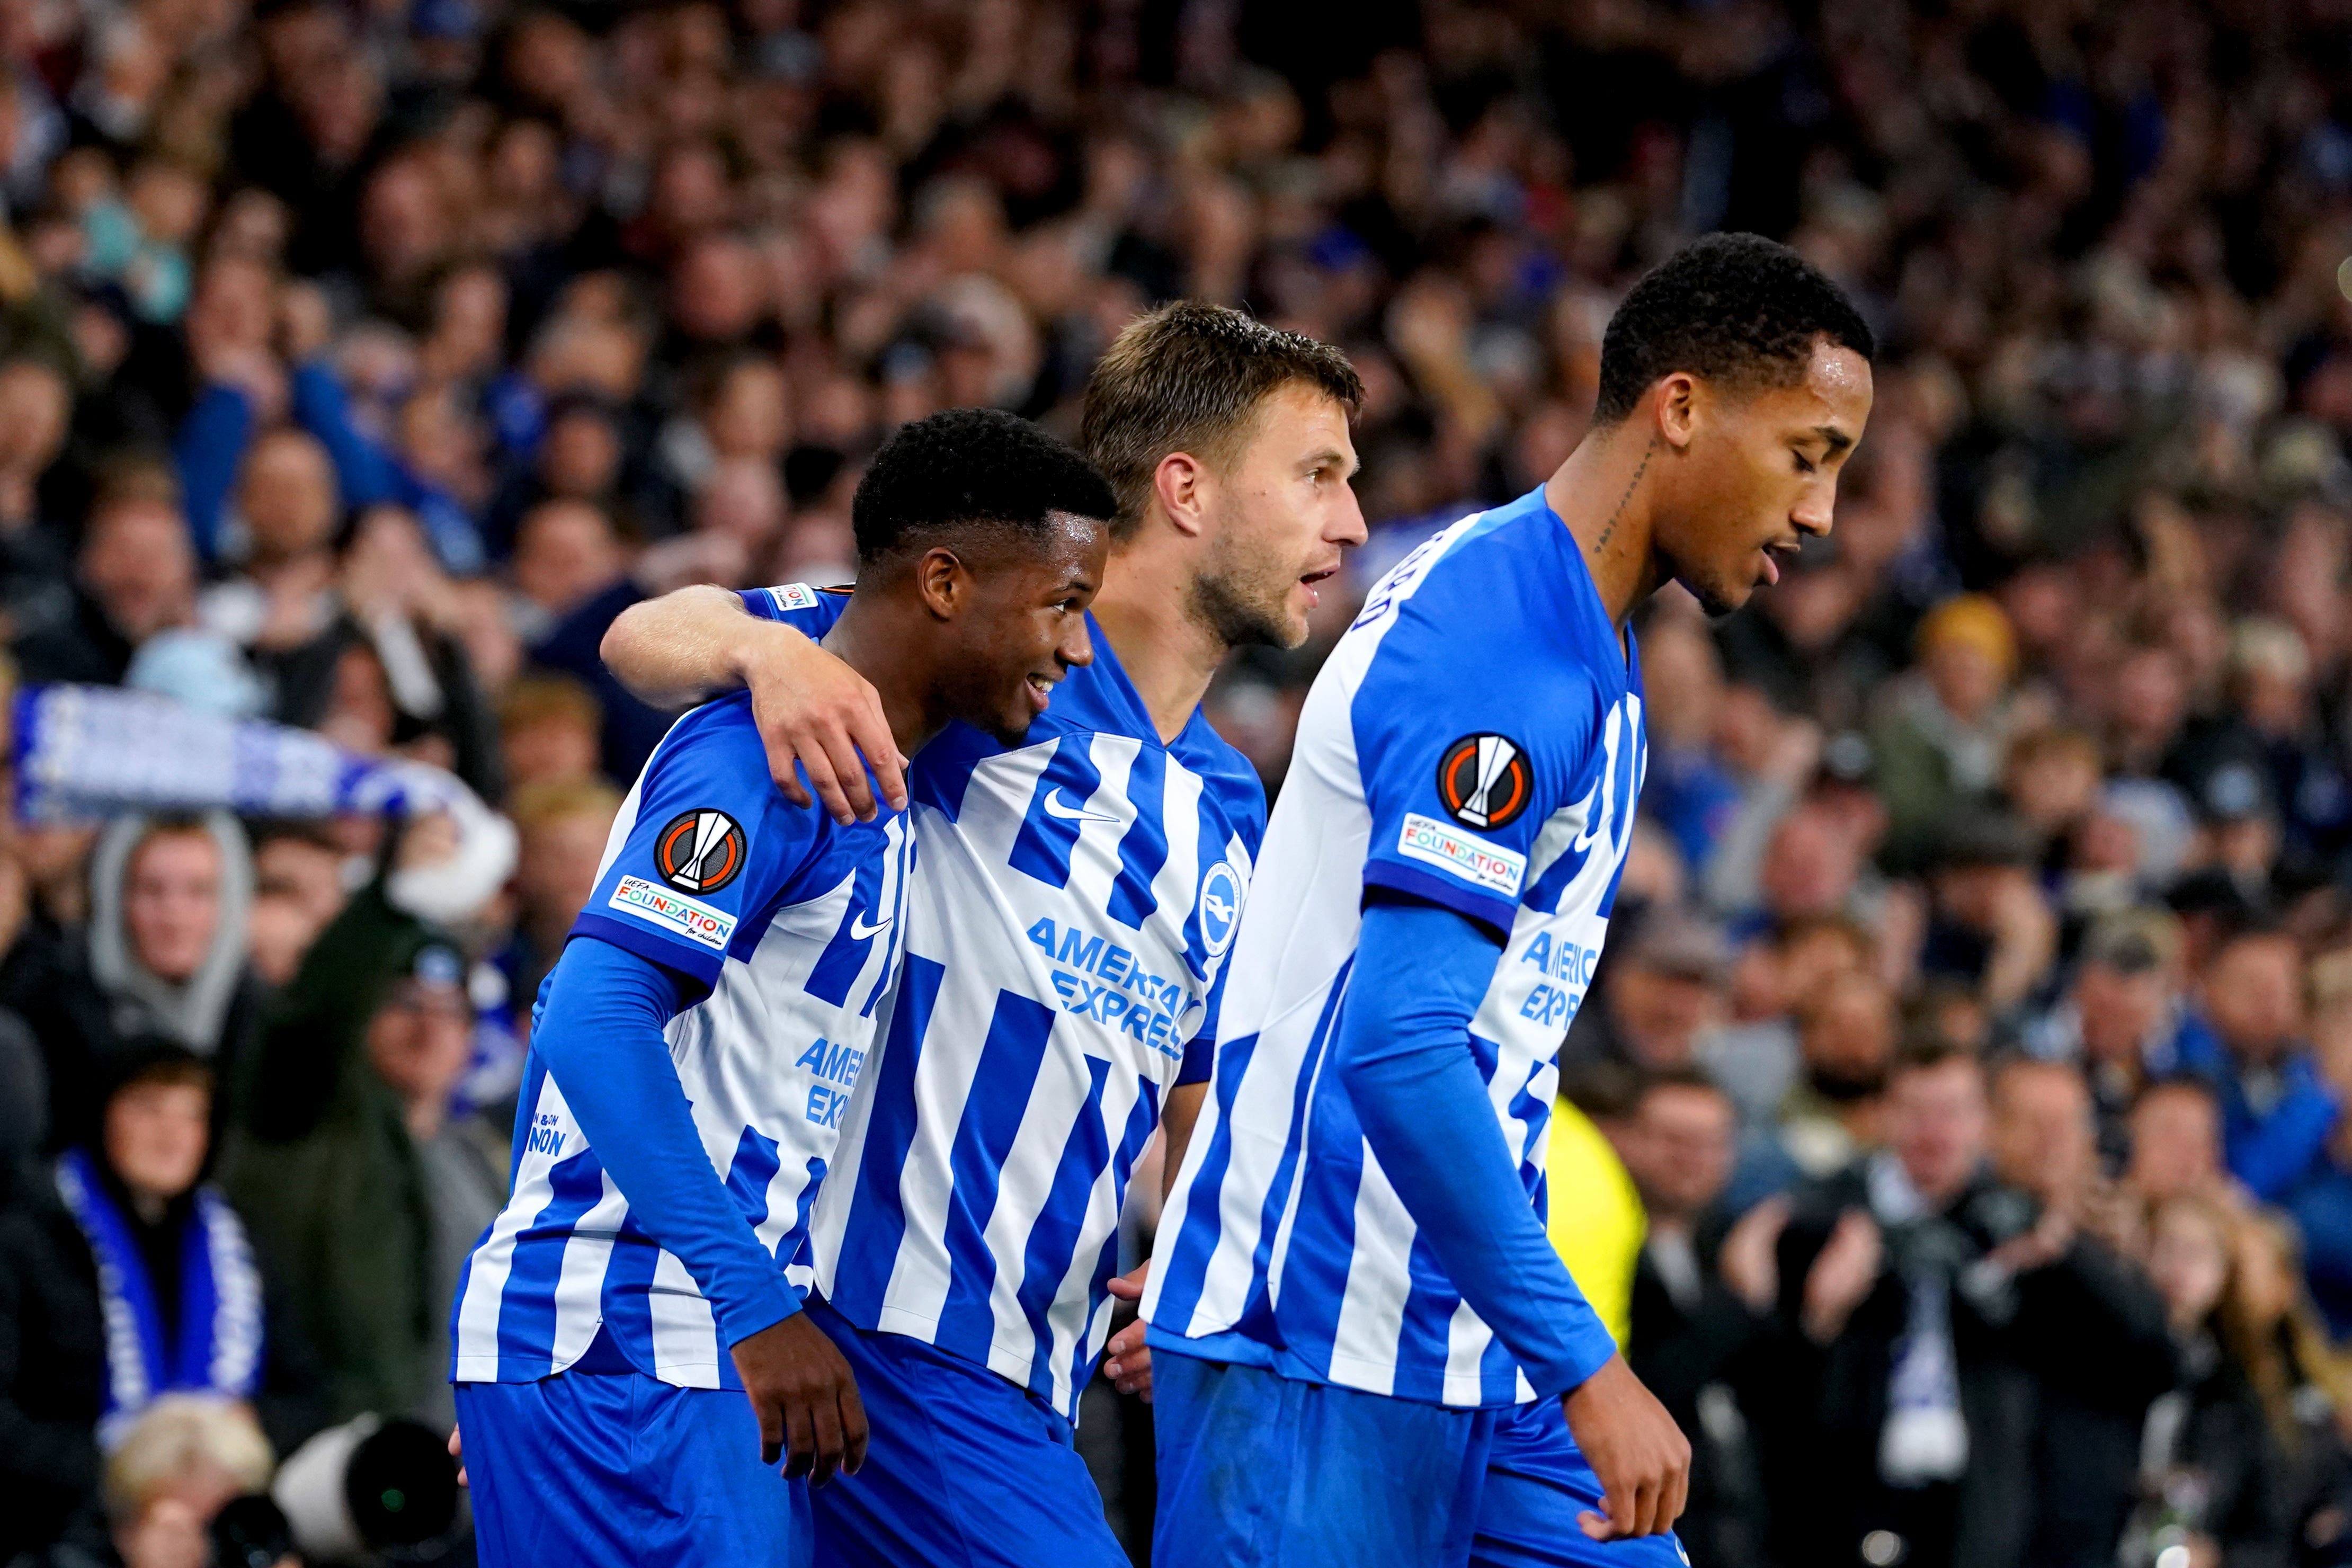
[(1041, 690)]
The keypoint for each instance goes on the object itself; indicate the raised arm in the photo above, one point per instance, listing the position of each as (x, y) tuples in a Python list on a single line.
[(817, 715)]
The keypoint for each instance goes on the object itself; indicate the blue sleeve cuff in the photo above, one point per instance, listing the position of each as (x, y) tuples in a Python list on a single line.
[(702, 962), (1486, 908), (1200, 1061)]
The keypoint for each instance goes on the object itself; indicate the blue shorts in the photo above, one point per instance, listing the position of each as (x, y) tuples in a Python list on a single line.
[(614, 1469), (1259, 1469), (964, 1469)]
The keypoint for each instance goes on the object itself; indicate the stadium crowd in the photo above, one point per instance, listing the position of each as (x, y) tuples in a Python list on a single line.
[(1957, 1139)]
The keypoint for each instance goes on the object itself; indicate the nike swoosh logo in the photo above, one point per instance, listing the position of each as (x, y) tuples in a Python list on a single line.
[(859, 931), (1056, 806)]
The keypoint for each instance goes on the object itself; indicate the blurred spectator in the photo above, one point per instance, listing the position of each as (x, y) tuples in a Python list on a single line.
[(297, 890), (184, 1461), (2176, 1143), (550, 725), (2088, 1327), (1757, 1058), (135, 575), (564, 824), (1660, 994), (1940, 740), (1990, 930), (1686, 789), (363, 1193), (165, 952), (2276, 1110), (1897, 1419), (1846, 1034), (123, 1283), (2119, 1019), (2210, 1474), (1689, 1330)]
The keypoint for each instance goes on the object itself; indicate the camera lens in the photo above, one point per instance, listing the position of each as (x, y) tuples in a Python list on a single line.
[(402, 1486)]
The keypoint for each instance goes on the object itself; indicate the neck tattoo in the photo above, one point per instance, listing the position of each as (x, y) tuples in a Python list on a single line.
[(1609, 527)]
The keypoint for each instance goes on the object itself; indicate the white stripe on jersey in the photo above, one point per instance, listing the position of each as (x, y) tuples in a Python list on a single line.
[(580, 1288)]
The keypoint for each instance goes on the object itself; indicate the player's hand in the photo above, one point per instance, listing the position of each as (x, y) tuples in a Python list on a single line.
[(1640, 1457), (1127, 1360), (805, 1397), (458, 1452), (814, 710)]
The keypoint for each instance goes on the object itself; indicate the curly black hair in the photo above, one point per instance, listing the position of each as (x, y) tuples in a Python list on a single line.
[(1734, 307), (968, 467)]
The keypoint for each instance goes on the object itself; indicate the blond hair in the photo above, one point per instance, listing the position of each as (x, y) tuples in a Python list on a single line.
[(183, 1437)]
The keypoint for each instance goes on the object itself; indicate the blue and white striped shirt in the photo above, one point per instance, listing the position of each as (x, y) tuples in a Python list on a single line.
[(1065, 936), (1475, 741), (793, 922)]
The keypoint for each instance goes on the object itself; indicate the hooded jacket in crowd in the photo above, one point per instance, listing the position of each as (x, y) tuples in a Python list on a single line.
[(84, 992)]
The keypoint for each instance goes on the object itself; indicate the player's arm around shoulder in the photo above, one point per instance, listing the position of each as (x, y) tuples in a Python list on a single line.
[(820, 721)]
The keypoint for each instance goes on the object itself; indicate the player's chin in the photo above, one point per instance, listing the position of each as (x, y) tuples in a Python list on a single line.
[(1291, 627), (1009, 728), (1720, 596)]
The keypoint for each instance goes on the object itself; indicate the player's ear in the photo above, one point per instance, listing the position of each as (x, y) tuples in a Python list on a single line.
[(1178, 481), (1680, 396), (943, 582)]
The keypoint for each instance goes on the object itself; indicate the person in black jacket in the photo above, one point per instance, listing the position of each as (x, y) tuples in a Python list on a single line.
[(1894, 1417), (2090, 1326), (1689, 1332), (177, 1305)]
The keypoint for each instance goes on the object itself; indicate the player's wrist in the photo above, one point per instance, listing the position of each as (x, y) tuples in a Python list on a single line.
[(766, 649), (762, 1310)]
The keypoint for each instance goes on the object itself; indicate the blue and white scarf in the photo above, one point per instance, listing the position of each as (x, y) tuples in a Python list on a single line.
[(218, 1347), (88, 753)]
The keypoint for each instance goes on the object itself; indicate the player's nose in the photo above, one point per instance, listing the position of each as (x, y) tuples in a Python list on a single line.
[(1075, 646), (1345, 526), (1814, 513)]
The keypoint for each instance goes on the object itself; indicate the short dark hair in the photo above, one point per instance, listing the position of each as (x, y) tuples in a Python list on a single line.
[(1734, 307), (1188, 377), (1928, 1053), (148, 1058), (1685, 1078), (969, 466)]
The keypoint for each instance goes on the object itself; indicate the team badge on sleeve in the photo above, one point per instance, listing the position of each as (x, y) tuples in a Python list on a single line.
[(1484, 780), (700, 851), (1220, 907)]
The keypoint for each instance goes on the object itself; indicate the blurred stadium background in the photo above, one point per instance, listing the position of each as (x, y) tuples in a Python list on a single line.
[(359, 363)]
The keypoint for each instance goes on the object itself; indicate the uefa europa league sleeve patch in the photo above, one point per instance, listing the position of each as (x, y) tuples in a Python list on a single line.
[(700, 851), (1484, 780)]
